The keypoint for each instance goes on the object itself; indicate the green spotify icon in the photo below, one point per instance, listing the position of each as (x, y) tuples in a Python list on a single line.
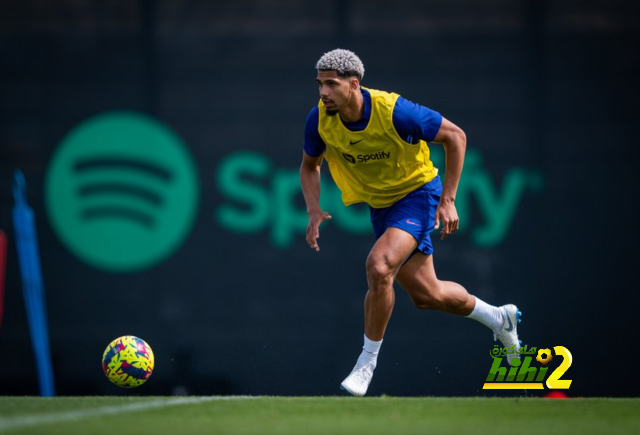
[(122, 191)]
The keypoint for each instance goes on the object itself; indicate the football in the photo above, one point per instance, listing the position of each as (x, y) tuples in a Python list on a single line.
[(128, 361)]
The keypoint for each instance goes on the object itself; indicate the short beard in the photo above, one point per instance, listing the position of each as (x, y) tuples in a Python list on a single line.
[(333, 112)]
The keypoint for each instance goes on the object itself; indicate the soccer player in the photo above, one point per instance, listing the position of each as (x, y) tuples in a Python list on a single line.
[(375, 143)]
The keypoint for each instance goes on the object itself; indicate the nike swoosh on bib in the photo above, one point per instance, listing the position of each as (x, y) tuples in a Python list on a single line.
[(351, 142)]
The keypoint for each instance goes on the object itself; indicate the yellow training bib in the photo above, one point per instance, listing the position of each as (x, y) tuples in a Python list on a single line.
[(374, 165)]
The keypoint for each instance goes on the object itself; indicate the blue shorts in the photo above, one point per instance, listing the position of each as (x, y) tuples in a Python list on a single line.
[(415, 214)]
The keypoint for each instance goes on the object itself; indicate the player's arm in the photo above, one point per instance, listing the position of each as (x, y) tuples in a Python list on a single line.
[(455, 143), (310, 182)]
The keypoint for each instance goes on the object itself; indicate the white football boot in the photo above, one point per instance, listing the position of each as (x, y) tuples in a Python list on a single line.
[(508, 333), (358, 381)]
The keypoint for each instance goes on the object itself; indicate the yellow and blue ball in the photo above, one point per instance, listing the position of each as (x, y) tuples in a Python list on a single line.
[(128, 361)]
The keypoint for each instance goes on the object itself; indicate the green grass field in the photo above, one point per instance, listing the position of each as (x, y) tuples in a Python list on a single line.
[(316, 415)]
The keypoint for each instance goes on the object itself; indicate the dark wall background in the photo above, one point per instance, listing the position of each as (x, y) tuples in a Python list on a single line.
[(550, 87)]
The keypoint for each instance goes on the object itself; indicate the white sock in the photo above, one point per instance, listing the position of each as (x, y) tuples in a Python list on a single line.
[(369, 353), (488, 315)]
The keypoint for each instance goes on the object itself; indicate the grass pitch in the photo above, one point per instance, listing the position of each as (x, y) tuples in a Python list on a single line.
[(316, 415)]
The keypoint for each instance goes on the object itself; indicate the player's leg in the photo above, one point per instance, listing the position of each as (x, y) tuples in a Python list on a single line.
[(418, 278), (384, 261)]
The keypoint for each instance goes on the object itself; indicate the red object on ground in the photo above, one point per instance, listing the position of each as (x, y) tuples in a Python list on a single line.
[(3, 262), (555, 394)]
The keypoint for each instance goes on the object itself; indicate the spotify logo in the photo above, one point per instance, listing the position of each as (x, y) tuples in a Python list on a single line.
[(121, 191)]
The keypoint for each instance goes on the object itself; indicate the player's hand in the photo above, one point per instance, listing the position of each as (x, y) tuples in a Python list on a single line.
[(447, 213), (313, 227)]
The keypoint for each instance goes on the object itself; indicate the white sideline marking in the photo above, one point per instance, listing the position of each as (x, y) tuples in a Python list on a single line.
[(39, 419)]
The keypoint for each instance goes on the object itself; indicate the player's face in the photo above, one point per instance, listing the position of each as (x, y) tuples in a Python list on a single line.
[(334, 91)]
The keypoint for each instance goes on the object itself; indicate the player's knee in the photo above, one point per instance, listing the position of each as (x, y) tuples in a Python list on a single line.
[(378, 272)]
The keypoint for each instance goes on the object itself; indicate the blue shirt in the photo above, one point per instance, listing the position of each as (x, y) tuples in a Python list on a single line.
[(412, 121)]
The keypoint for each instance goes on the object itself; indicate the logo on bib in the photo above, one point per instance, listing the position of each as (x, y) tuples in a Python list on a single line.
[(364, 158), (349, 158)]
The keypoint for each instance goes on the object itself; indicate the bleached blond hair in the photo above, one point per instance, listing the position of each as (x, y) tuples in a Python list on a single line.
[(346, 63)]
